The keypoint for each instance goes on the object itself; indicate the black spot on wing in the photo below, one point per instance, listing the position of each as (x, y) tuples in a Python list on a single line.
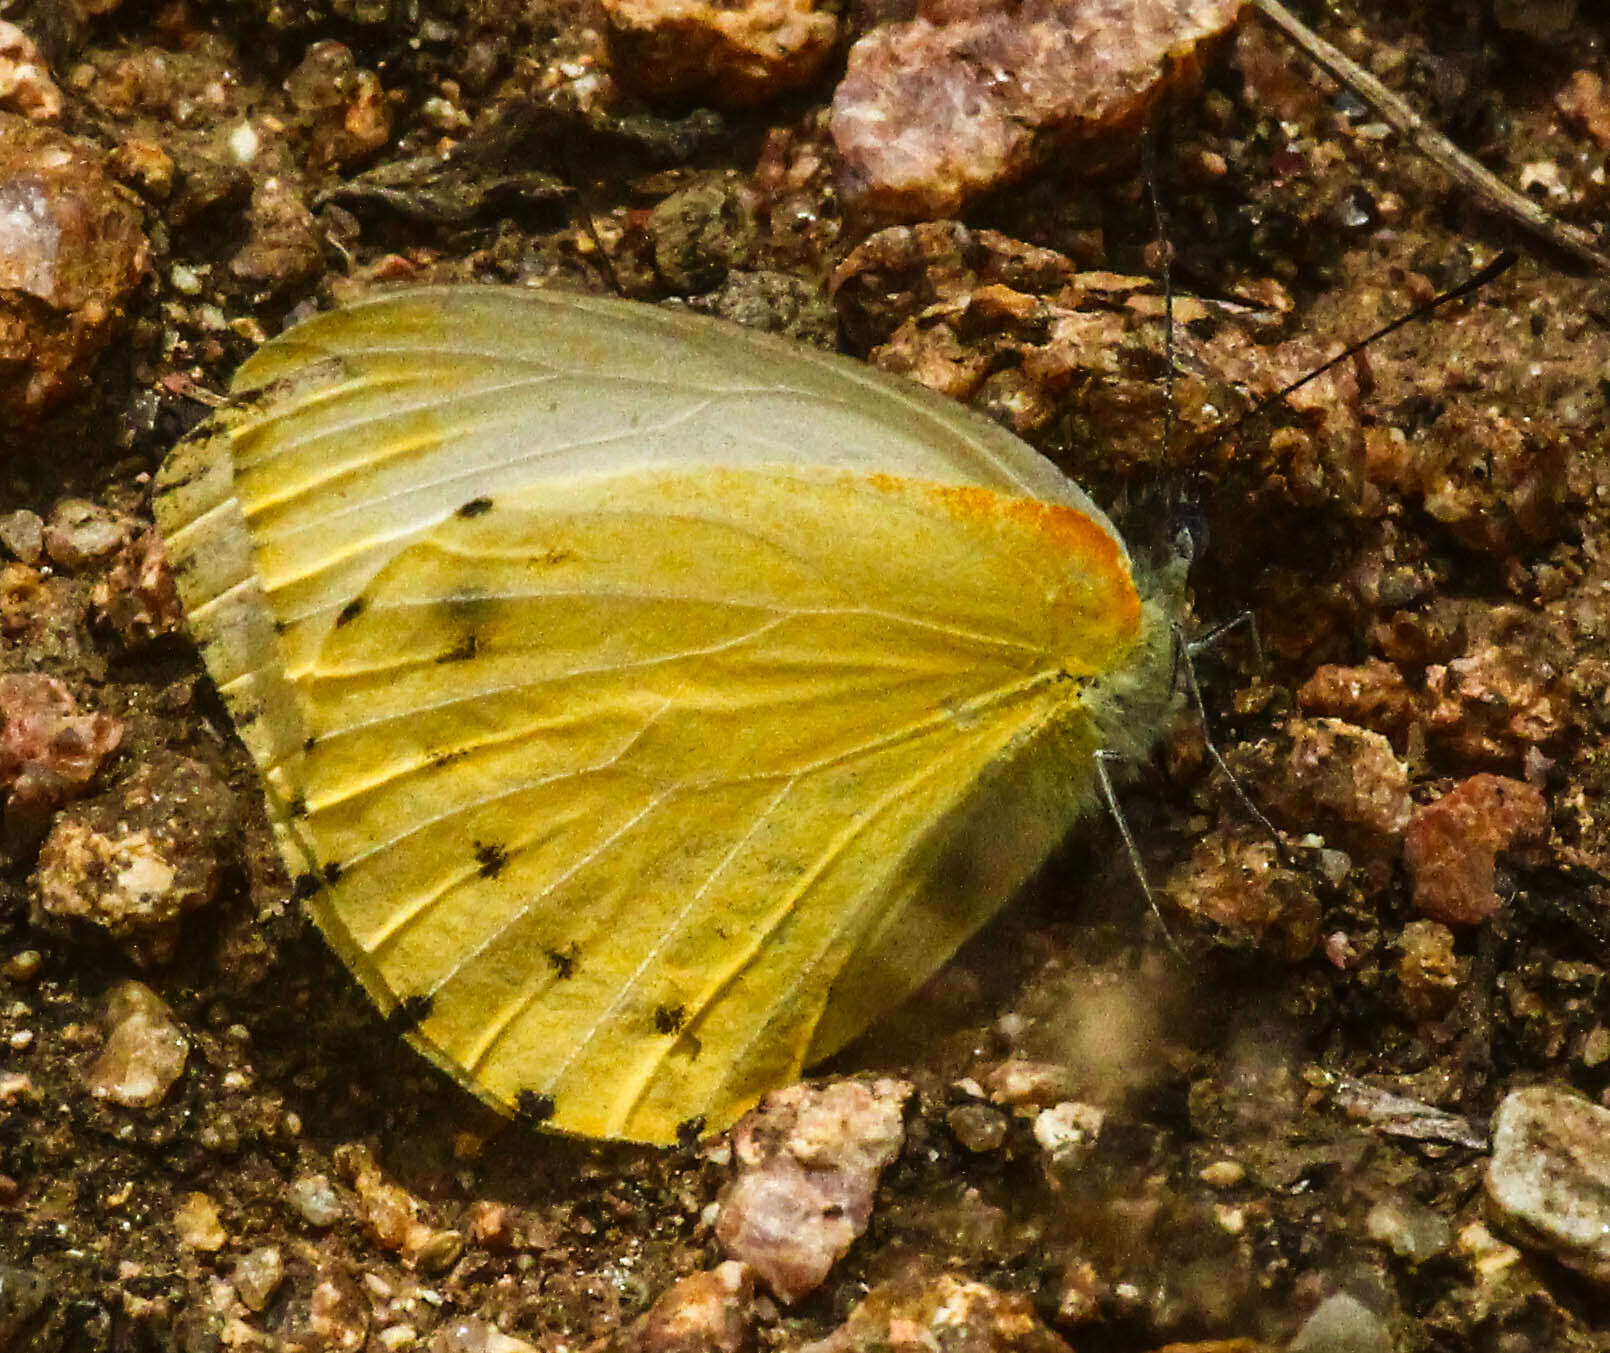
[(669, 1019), (409, 1013), (562, 961), (491, 859), (350, 612), (476, 507), (533, 1108), (333, 872), (465, 649), (304, 886)]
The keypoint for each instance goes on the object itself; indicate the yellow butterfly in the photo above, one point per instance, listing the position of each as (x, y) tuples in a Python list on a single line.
[(646, 705)]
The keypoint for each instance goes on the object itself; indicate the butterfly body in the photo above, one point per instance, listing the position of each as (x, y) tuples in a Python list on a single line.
[(649, 705)]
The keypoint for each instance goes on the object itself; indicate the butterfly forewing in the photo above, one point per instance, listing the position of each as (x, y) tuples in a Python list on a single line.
[(641, 758)]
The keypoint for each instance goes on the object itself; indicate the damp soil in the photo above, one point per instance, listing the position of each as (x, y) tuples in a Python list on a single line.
[(1449, 505)]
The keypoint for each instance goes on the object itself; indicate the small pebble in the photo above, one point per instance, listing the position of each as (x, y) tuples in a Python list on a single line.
[(24, 965), (145, 1049), (808, 1163), (710, 1312), (25, 84), (469, 1335), (23, 533), (1429, 973), (258, 1274), (314, 1199), (439, 1252), (1342, 1324), (1223, 1174), (196, 1223), (1069, 1129), (1596, 1046), (1409, 1229), (80, 532), (978, 1127)]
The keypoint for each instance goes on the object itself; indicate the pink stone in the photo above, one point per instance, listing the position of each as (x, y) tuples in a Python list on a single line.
[(974, 94), (808, 1163)]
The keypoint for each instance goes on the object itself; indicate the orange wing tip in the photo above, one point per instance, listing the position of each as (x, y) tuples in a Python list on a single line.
[(1057, 530)]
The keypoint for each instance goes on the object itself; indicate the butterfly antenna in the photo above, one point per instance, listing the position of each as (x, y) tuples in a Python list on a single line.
[(1165, 257), (1109, 796), (1500, 264)]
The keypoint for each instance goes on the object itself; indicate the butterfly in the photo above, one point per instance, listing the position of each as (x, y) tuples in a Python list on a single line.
[(645, 705)]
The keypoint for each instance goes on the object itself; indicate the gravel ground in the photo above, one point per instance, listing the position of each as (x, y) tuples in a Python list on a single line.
[(1106, 1145)]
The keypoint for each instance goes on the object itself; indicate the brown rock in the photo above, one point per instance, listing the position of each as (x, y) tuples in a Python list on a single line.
[(1451, 844), (1241, 887), (144, 166), (1429, 972), (1345, 781), (942, 1313), (389, 1212), (740, 54), (351, 117), (1494, 703), (81, 533), (808, 1161), (709, 1312), (285, 245), (25, 83), (1375, 695), (136, 600), (897, 273), (140, 857), (1586, 106), (978, 1127), (71, 252), (974, 94), (145, 1049)]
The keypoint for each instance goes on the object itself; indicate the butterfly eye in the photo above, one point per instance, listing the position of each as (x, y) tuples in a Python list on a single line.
[(1188, 533)]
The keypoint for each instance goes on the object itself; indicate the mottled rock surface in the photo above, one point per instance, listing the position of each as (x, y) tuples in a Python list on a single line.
[(26, 86), (974, 94), (1451, 845), (49, 751), (710, 1312), (140, 857), (942, 1313), (808, 1162), (71, 251), (732, 55), (1549, 1178)]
